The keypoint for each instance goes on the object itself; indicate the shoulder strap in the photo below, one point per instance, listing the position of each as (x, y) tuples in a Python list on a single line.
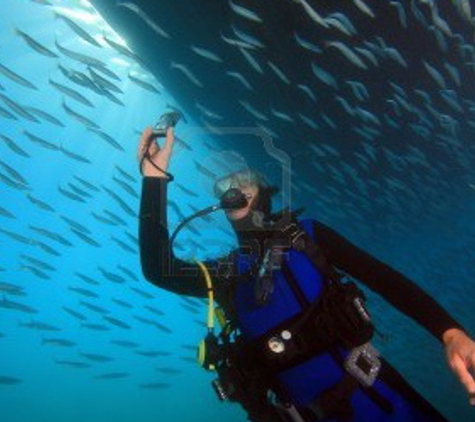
[(302, 237)]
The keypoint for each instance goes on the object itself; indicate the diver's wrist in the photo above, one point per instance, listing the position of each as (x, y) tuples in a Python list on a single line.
[(449, 334)]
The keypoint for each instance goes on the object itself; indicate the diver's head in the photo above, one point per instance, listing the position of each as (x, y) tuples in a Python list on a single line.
[(258, 193)]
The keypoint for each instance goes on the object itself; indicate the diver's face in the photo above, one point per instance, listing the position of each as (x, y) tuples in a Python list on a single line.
[(251, 193)]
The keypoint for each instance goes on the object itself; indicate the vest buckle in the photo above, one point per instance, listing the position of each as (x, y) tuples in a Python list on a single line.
[(363, 363)]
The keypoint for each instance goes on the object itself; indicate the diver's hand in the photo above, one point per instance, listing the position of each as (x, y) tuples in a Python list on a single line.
[(156, 155), (460, 352)]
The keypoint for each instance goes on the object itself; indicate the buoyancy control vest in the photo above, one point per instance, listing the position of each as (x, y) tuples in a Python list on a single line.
[(306, 315), (300, 348)]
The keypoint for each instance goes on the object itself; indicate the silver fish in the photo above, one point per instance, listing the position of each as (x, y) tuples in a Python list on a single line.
[(131, 274), (44, 115), (237, 43), (86, 278), (347, 53), (38, 325), (111, 376), (7, 380), (35, 45), (282, 116), (395, 55), (103, 82), (438, 21), (51, 235), (107, 72), (367, 116), (307, 44), (121, 202), (453, 73), (13, 173), (79, 191), (75, 156), (122, 49), (115, 278), (80, 78), (207, 112), (40, 141), (401, 13), (46, 248), (209, 55), (308, 121), (244, 12), (35, 271), (125, 174), (252, 110), (252, 61), (13, 183), (78, 30), (247, 38), (155, 385), (360, 4), (103, 220), (312, 14), (109, 139), (187, 72), (117, 322), (15, 77), (146, 85), (18, 109), (16, 306), (115, 218), (346, 106), (144, 16), (328, 120), (346, 26), (74, 313), (125, 343), (241, 79), (72, 363), (123, 303), (336, 23), (96, 358), (93, 307), (79, 117), (5, 113), (5, 213), (71, 93), (87, 60), (11, 288), (307, 91), (324, 76), (39, 203), (435, 75), (281, 75), (58, 342), (75, 224), (368, 54)]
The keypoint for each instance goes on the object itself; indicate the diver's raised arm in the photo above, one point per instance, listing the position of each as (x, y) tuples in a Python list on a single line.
[(159, 264)]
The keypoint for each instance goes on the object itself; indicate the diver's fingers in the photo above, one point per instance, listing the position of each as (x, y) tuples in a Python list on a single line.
[(460, 368), (153, 149), (143, 142), (471, 372), (170, 134)]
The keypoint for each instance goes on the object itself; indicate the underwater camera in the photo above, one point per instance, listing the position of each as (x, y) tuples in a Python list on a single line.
[(166, 121)]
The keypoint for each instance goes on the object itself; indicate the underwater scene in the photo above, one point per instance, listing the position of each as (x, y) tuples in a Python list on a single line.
[(362, 112)]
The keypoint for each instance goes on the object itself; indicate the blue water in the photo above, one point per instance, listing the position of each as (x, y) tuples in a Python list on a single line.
[(44, 384)]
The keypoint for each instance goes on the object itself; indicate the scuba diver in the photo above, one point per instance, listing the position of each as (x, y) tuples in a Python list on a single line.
[(295, 343)]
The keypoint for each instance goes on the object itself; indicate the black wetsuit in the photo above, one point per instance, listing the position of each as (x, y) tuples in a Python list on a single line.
[(164, 270)]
